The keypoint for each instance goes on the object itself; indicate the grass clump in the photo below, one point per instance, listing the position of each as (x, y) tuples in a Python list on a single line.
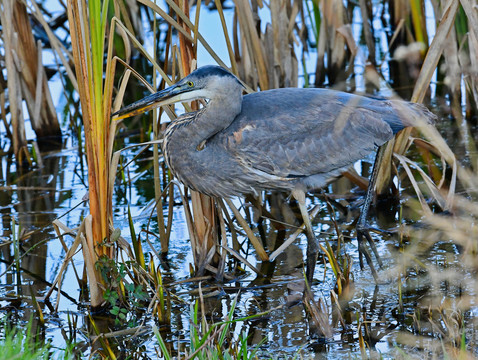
[(23, 344), (213, 341)]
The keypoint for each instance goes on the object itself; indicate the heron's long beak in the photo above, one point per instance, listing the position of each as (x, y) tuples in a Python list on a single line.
[(167, 96)]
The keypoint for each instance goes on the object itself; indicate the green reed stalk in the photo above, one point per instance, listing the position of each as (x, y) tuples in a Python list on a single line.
[(419, 21), (88, 33)]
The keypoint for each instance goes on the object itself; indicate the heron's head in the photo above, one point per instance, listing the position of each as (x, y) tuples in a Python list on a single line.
[(207, 82)]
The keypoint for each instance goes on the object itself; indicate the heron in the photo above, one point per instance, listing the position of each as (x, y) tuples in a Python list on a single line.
[(290, 139)]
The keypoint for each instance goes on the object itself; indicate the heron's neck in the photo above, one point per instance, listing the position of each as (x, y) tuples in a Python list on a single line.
[(218, 114), (183, 143)]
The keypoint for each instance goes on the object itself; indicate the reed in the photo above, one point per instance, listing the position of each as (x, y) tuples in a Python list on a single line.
[(27, 82), (14, 86), (88, 33), (35, 88), (203, 206)]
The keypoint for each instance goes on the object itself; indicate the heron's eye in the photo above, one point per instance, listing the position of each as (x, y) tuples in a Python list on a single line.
[(190, 83)]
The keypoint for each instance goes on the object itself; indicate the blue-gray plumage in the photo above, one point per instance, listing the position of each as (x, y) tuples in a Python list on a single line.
[(289, 139)]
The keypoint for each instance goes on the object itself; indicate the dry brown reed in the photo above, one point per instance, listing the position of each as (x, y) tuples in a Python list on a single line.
[(26, 81)]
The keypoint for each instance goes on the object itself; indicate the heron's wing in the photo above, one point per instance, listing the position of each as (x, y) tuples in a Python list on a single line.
[(302, 132)]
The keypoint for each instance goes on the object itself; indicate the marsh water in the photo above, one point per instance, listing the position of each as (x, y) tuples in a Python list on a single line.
[(31, 254), (34, 199)]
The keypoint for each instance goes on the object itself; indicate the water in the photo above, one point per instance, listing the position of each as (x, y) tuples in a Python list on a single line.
[(56, 191), (389, 315)]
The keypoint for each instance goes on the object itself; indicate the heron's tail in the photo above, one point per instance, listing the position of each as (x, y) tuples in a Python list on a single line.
[(412, 114), (423, 113)]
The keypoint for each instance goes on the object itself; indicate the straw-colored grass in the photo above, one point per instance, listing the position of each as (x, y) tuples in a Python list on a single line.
[(26, 81)]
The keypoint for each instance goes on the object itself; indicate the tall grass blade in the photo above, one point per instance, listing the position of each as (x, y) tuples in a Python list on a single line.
[(162, 344), (137, 246)]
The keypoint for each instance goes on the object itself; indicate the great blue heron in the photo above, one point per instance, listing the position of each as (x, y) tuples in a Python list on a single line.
[(292, 140)]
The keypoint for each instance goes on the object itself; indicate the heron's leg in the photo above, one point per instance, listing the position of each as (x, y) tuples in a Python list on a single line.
[(362, 225), (312, 243)]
